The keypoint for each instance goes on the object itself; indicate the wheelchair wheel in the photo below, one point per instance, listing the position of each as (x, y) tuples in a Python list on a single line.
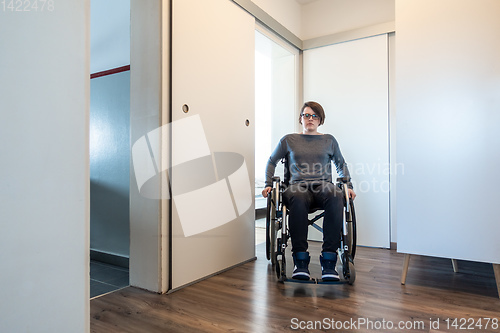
[(271, 227), (351, 231), (348, 268), (280, 263), (352, 272), (278, 269), (283, 269), (268, 227), (280, 250)]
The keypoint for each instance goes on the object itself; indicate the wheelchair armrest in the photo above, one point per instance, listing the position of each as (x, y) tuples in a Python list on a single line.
[(344, 180), (276, 179)]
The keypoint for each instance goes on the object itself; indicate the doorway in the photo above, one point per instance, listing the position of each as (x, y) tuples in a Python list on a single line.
[(109, 146), (276, 102)]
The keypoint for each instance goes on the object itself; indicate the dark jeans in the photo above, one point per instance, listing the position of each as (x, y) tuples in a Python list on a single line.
[(299, 198)]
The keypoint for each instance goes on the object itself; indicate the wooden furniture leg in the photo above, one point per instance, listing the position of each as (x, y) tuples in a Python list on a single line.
[(496, 269), (455, 265), (405, 268)]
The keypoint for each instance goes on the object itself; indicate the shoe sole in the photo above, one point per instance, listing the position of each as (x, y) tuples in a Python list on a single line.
[(301, 276), (330, 277)]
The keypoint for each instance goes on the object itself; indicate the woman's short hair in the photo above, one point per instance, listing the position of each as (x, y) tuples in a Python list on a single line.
[(317, 108)]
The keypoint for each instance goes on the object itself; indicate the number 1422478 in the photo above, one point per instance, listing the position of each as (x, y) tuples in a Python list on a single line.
[(27, 5)]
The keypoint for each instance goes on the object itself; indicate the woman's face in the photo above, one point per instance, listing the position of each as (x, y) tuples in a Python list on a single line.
[(310, 124)]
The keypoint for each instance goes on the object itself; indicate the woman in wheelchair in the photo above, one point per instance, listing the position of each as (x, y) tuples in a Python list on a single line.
[(310, 186)]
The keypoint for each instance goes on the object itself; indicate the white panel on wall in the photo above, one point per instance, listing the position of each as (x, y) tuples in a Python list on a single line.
[(213, 74), (448, 102), (350, 81)]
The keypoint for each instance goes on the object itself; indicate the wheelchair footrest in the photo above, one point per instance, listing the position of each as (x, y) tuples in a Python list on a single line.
[(320, 281), (315, 281)]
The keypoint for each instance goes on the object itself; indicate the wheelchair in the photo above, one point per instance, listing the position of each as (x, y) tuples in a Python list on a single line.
[(277, 232)]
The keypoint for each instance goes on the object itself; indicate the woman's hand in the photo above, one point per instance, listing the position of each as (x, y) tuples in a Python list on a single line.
[(352, 195), (266, 191)]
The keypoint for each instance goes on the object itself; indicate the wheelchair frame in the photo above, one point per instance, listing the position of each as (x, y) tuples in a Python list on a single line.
[(277, 233)]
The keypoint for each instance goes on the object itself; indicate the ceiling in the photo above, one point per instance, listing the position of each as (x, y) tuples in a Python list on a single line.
[(303, 2)]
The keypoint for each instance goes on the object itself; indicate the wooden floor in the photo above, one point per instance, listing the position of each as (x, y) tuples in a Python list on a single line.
[(249, 299)]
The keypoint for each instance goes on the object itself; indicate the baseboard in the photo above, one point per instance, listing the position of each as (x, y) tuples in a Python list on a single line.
[(109, 258)]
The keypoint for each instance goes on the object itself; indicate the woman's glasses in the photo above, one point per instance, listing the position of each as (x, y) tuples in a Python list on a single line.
[(308, 115)]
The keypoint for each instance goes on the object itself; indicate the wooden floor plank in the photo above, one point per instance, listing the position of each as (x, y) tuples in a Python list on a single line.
[(249, 299)]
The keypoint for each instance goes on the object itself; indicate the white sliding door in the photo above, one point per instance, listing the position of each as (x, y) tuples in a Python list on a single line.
[(350, 81), (213, 142)]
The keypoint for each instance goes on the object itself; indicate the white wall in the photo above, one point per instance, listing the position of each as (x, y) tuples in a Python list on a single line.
[(326, 17), (44, 186), (447, 82), (110, 34), (110, 165), (286, 12)]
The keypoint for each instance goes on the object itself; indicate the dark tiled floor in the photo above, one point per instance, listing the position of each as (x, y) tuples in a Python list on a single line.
[(105, 278)]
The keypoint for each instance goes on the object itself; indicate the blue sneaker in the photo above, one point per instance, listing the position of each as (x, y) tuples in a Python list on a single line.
[(328, 262), (301, 262)]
